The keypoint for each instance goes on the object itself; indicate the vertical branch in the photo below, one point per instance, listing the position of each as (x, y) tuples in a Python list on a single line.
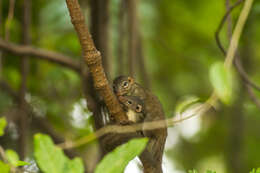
[(236, 128), (236, 137), (1, 24), (94, 62), (1, 17), (135, 49), (229, 21), (132, 39), (9, 18), (121, 38), (141, 62), (23, 126), (100, 30)]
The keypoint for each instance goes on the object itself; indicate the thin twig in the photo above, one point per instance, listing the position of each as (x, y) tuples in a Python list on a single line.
[(2, 154), (253, 96), (237, 62), (33, 52), (9, 19), (237, 33), (220, 26)]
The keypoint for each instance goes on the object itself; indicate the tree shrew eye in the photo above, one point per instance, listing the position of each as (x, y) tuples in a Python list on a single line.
[(138, 108), (129, 102), (125, 84)]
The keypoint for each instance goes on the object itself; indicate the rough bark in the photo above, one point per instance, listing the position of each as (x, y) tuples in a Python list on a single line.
[(94, 61)]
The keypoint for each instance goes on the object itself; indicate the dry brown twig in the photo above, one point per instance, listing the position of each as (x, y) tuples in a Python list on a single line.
[(169, 122), (51, 56)]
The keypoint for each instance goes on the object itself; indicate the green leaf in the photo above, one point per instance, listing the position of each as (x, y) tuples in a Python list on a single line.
[(186, 103), (2, 125), (222, 81), (75, 165), (209, 171), (22, 163), (51, 159), (255, 170), (192, 171), (13, 158), (4, 167), (117, 160)]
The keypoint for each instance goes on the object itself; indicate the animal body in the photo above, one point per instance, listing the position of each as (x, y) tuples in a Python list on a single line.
[(151, 157)]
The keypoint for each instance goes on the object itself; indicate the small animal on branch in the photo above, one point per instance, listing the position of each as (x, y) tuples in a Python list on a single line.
[(134, 108), (124, 87)]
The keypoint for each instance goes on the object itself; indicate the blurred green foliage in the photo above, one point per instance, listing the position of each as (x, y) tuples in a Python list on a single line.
[(51, 159), (117, 160), (179, 49)]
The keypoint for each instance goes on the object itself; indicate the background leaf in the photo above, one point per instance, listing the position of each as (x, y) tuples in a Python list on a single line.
[(51, 159), (116, 161), (255, 170), (222, 81), (13, 158), (209, 171), (4, 167), (75, 165), (192, 171), (186, 103), (2, 125)]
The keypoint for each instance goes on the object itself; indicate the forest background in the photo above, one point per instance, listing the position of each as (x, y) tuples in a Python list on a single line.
[(168, 46)]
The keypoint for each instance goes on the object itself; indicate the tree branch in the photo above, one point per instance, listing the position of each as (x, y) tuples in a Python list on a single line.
[(93, 60), (9, 18), (132, 38), (237, 62), (40, 53), (121, 37), (141, 62), (37, 121), (253, 96), (248, 82), (220, 26), (23, 111)]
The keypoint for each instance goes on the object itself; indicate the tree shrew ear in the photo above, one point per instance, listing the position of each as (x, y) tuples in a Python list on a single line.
[(131, 80)]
